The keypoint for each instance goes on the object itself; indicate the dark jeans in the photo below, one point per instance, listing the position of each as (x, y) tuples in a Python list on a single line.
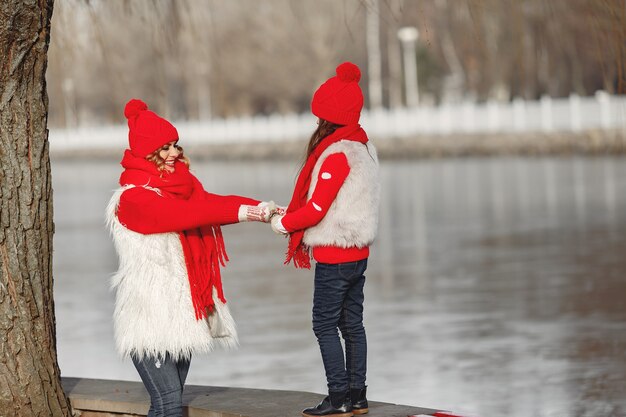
[(338, 304), (164, 379)]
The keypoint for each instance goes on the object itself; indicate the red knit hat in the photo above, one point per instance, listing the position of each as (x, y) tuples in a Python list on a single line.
[(340, 100), (147, 131)]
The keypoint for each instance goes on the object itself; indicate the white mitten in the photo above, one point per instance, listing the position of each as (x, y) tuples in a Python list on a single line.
[(277, 225), (260, 213)]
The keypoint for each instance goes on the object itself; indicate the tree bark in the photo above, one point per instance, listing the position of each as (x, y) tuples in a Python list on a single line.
[(29, 374)]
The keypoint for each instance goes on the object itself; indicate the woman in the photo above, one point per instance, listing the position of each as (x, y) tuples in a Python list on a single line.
[(334, 212), (166, 229)]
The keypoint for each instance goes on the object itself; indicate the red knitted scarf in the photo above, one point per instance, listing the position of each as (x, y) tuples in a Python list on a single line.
[(297, 250), (203, 247)]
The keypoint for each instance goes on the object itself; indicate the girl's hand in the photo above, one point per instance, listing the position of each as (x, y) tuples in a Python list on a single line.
[(277, 225)]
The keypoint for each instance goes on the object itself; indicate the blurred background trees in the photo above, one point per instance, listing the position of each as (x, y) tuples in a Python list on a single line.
[(197, 59)]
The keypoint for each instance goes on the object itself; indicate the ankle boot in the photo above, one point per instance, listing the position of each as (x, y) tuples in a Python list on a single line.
[(336, 404), (359, 401)]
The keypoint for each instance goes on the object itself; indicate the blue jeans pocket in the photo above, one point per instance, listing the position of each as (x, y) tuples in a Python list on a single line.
[(347, 270)]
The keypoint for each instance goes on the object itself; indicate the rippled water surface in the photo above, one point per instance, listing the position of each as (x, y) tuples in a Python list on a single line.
[(497, 287)]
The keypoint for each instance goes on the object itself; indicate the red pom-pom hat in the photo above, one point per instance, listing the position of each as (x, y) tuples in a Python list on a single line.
[(147, 131), (340, 99)]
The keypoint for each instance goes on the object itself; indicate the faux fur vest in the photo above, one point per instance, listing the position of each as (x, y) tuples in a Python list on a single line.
[(352, 219), (153, 308)]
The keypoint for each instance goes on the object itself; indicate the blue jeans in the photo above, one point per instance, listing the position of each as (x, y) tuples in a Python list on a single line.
[(164, 379), (338, 304)]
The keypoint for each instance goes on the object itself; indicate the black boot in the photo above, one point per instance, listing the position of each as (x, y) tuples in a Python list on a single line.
[(336, 404), (359, 401)]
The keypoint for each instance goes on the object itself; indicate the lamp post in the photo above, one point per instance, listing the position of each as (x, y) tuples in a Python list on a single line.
[(69, 99), (408, 37)]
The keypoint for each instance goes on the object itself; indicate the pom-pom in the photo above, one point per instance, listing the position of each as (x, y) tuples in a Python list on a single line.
[(133, 107), (347, 72)]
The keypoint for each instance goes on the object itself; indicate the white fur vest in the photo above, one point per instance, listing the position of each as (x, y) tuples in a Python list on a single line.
[(153, 308), (352, 219)]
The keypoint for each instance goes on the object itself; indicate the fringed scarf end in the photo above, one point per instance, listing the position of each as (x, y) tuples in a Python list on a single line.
[(220, 246), (300, 257)]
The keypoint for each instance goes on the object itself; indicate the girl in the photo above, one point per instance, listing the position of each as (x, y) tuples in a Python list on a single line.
[(166, 230), (334, 211)]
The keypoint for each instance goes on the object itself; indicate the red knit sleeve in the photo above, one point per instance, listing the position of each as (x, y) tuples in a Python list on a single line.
[(224, 199), (147, 212), (331, 177), (229, 199)]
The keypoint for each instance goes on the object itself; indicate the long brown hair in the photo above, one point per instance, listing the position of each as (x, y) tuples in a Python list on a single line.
[(324, 128), (155, 158)]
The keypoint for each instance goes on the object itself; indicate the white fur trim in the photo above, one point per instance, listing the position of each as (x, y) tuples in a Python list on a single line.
[(154, 313), (352, 219)]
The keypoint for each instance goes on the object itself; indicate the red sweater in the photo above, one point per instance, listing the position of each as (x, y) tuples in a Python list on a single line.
[(331, 177), (144, 211)]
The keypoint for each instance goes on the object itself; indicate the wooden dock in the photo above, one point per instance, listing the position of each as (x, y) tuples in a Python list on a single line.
[(111, 398)]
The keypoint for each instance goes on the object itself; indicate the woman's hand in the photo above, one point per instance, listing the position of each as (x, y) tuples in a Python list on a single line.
[(260, 213)]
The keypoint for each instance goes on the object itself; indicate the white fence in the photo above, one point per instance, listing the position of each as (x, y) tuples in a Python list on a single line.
[(603, 111)]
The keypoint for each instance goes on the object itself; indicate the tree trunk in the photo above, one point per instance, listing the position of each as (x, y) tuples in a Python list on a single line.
[(29, 374)]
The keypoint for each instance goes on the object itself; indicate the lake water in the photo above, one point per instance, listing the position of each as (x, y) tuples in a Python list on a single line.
[(497, 287)]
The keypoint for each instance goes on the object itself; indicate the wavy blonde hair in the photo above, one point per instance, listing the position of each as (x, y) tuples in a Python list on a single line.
[(156, 159)]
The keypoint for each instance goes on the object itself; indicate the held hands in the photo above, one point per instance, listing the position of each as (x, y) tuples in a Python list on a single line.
[(260, 213), (276, 221), (265, 211)]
